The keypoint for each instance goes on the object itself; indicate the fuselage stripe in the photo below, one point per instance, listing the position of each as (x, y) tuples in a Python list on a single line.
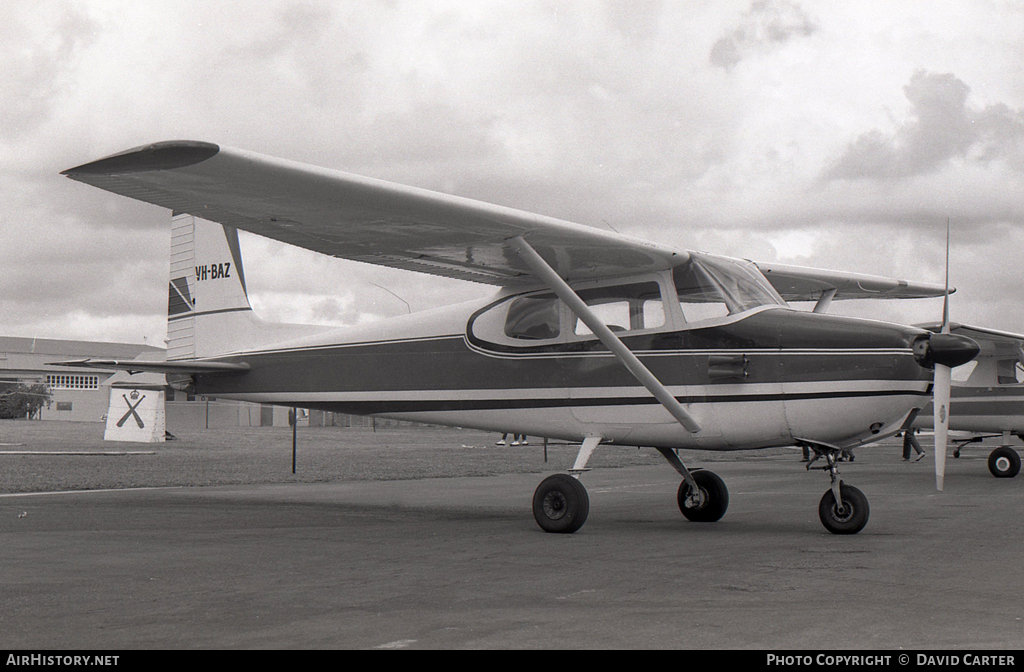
[(410, 405)]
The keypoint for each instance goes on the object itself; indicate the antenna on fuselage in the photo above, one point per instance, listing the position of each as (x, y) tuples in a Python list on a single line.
[(407, 306)]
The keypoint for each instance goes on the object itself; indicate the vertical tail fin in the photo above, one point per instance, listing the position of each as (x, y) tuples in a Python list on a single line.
[(208, 311)]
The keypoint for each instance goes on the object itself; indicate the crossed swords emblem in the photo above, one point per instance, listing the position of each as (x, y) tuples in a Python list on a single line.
[(131, 409)]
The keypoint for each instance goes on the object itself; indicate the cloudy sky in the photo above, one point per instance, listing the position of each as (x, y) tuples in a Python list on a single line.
[(831, 134)]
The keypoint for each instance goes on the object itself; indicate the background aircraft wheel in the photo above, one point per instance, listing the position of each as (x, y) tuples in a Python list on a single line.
[(854, 515), (561, 504), (715, 498), (1004, 462)]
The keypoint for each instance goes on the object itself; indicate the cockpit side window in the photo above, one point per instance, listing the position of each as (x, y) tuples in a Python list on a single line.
[(533, 318), (623, 307), (1009, 372)]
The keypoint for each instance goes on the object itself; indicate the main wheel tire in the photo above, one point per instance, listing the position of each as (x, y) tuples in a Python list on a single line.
[(1004, 462), (561, 504), (715, 498), (854, 515)]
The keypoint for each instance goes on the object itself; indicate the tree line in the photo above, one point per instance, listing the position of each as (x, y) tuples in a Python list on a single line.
[(18, 400)]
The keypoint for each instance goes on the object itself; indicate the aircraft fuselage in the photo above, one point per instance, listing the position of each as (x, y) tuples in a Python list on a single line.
[(762, 378), (981, 409)]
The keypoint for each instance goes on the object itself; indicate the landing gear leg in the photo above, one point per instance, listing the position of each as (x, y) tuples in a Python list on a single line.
[(561, 503), (702, 496), (843, 509)]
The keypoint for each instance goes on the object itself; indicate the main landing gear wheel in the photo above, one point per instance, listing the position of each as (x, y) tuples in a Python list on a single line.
[(707, 506), (851, 517), (561, 504), (1004, 462)]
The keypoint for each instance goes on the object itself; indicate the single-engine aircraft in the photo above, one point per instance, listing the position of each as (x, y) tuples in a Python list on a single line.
[(592, 336), (989, 402)]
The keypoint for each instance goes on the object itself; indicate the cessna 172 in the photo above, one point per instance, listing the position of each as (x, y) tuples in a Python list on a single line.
[(592, 336), (989, 402)]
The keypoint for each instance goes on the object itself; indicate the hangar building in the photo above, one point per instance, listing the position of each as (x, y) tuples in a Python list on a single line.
[(77, 394)]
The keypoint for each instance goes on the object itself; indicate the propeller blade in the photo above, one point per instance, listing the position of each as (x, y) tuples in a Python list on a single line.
[(940, 403), (940, 394)]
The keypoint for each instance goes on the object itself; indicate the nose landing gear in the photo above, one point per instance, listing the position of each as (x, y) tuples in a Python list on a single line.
[(843, 509)]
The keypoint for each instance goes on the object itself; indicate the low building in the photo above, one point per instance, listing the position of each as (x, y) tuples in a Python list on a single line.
[(83, 395), (76, 394)]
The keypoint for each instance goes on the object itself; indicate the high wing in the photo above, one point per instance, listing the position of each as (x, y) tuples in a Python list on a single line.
[(798, 283), (364, 219)]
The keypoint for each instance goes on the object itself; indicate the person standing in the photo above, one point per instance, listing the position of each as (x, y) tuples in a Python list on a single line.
[(910, 441)]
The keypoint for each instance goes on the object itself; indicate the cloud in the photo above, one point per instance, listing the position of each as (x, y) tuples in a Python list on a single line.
[(943, 127), (36, 77), (636, 19), (606, 113), (766, 25)]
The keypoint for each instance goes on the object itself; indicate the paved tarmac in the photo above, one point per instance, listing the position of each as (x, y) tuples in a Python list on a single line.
[(460, 563)]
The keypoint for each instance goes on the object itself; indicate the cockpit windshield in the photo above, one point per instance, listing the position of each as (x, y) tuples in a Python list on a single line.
[(710, 287)]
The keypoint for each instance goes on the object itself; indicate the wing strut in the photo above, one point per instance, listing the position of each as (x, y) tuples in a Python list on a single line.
[(825, 300), (563, 291)]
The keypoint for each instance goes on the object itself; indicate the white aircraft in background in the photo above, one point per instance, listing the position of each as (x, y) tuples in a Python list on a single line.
[(591, 336), (987, 399)]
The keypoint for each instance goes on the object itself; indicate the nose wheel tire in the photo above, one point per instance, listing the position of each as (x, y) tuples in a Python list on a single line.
[(851, 517), (561, 504), (711, 503), (1004, 462)]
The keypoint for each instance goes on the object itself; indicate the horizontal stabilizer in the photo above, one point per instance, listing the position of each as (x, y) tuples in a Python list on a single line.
[(133, 366)]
